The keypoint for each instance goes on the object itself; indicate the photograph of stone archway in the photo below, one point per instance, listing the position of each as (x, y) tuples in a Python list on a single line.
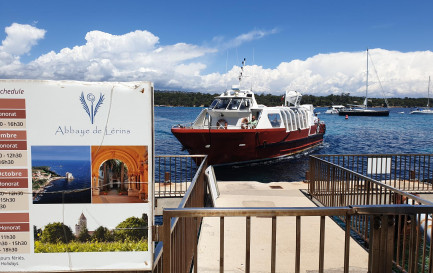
[(119, 174)]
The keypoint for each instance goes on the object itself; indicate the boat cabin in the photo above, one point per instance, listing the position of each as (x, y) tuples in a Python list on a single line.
[(238, 109)]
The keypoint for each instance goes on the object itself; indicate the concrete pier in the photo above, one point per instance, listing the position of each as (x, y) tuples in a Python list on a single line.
[(277, 194)]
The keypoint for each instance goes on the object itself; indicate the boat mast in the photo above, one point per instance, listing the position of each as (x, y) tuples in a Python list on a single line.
[(428, 92), (366, 85)]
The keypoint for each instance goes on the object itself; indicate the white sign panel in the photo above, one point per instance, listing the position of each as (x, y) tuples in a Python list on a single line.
[(379, 165), (76, 159)]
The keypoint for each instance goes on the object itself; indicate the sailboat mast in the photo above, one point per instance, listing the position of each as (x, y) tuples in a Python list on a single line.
[(428, 92), (366, 85)]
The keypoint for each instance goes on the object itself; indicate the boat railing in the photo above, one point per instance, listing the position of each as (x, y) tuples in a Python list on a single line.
[(184, 125), (381, 181), (201, 119)]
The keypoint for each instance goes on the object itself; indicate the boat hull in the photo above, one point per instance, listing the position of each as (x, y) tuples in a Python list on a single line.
[(422, 112), (245, 145), (381, 113)]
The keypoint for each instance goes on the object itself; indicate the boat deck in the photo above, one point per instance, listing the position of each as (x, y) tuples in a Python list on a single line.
[(276, 194)]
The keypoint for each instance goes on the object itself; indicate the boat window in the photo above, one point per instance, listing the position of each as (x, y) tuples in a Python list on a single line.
[(296, 120), (234, 104), (284, 115), (212, 105), (245, 104), (222, 104), (304, 118), (275, 120), (292, 121)]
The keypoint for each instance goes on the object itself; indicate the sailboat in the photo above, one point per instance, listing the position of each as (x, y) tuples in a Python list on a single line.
[(362, 110), (427, 110)]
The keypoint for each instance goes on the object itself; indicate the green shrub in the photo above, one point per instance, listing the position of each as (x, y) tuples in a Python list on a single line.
[(84, 235), (133, 229), (102, 234), (56, 233), (90, 246)]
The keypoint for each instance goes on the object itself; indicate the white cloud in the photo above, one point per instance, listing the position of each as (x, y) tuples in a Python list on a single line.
[(401, 74), (19, 41), (247, 37), (138, 56)]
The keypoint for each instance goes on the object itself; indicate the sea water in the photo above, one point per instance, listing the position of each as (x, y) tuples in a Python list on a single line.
[(62, 190), (398, 133)]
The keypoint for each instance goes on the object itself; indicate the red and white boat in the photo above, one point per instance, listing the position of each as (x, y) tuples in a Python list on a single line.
[(227, 133)]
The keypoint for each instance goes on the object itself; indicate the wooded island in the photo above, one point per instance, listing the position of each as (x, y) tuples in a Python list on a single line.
[(197, 99)]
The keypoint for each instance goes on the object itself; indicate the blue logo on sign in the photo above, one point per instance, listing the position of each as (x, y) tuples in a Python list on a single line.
[(93, 109)]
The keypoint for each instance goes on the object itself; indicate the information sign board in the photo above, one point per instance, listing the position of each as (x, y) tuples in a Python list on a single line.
[(76, 159)]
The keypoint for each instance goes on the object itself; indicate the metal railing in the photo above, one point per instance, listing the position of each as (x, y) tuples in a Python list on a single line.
[(406, 172), (174, 174), (335, 182), (390, 223), (380, 252), (183, 231)]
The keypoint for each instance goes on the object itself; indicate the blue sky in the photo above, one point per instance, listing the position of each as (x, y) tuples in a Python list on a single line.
[(61, 153), (197, 45)]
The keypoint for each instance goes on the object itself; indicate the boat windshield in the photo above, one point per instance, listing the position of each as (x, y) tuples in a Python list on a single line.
[(234, 104), (222, 104), (245, 104), (212, 105)]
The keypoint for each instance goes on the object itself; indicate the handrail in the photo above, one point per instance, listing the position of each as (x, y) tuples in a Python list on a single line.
[(174, 174), (334, 180), (298, 211), (369, 155), (383, 219), (416, 198), (187, 195), (183, 156), (197, 184), (257, 212)]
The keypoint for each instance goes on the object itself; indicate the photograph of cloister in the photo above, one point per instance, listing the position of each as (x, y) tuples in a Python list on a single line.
[(119, 174), (128, 235)]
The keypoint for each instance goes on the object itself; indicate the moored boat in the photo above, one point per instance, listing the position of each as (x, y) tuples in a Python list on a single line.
[(235, 129), (363, 110), (334, 109), (428, 110)]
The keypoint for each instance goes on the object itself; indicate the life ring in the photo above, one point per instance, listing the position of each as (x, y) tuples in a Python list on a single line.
[(221, 124), (244, 123)]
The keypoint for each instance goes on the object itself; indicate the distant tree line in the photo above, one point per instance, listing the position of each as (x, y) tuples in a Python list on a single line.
[(190, 99)]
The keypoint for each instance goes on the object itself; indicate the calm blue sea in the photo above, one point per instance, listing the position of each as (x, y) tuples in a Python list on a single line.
[(398, 133), (81, 172)]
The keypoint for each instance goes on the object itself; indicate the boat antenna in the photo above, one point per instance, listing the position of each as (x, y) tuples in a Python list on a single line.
[(227, 58), (254, 62), (242, 71)]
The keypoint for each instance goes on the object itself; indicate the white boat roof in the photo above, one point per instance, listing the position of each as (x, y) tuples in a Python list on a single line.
[(236, 92)]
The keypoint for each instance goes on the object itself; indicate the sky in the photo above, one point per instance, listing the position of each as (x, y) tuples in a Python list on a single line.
[(61, 153), (317, 47)]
